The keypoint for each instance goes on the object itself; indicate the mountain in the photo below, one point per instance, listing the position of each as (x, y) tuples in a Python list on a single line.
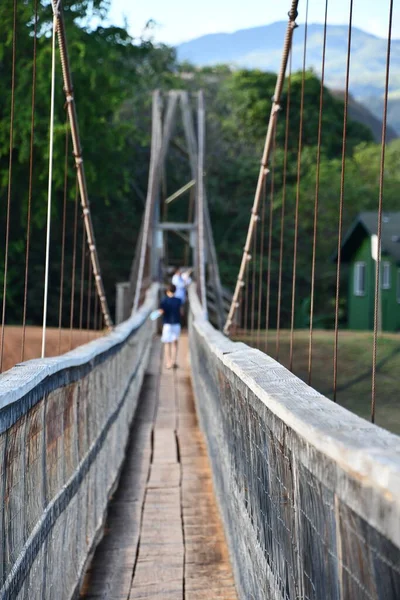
[(359, 112), (261, 48)]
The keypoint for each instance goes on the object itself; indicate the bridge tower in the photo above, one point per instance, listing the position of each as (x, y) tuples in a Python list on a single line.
[(178, 125)]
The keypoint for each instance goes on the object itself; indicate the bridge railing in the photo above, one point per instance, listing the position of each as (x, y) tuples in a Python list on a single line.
[(309, 492), (64, 426)]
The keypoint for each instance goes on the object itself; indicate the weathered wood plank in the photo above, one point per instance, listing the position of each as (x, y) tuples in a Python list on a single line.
[(164, 533)]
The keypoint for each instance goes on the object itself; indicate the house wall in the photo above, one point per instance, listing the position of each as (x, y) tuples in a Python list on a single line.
[(361, 308)]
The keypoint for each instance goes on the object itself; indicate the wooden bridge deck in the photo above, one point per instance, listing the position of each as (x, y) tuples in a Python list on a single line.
[(164, 537)]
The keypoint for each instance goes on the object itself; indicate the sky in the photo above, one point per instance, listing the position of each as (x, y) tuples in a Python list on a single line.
[(182, 20)]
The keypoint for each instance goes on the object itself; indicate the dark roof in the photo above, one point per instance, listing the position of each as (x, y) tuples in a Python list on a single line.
[(367, 224)]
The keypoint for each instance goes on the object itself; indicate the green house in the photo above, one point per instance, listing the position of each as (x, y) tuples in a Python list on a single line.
[(360, 250)]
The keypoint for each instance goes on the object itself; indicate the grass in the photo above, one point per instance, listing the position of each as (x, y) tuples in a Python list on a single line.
[(354, 373)]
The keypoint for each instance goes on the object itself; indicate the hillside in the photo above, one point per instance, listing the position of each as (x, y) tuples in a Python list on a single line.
[(360, 113), (261, 47)]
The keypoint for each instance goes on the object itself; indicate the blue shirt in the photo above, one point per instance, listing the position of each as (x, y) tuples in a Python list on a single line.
[(172, 310)]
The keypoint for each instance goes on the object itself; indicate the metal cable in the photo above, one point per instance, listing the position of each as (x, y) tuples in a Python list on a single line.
[(10, 164), (282, 232), (30, 184), (95, 312), (50, 184), (261, 269), (296, 215), (253, 284), (270, 229), (89, 298), (71, 316), (73, 119), (341, 201), (246, 303), (316, 201), (264, 164), (64, 220), (82, 286), (377, 307)]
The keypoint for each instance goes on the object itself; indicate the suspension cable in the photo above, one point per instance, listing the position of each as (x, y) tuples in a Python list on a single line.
[(10, 165), (30, 184), (270, 230), (261, 269), (73, 274), (64, 220), (253, 282), (296, 214), (377, 307), (284, 177), (82, 290), (264, 164), (341, 202), (316, 201), (73, 119), (50, 182)]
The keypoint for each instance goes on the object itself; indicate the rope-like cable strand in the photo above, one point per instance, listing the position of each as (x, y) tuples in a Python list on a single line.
[(264, 165), (282, 232), (10, 164), (377, 307), (316, 201), (30, 184), (50, 182), (296, 214), (341, 202)]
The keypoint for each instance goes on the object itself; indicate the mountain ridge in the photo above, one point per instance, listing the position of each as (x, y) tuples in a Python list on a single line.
[(261, 48)]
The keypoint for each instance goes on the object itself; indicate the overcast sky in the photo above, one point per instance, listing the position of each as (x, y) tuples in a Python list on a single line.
[(181, 20)]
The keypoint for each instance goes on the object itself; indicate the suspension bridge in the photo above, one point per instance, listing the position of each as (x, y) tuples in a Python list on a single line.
[(228, 477)]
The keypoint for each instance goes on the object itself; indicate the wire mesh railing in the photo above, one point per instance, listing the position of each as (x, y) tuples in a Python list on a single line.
[(307, 490), (64, 425)]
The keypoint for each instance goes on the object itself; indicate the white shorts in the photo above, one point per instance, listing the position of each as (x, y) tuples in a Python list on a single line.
[(170, 333)]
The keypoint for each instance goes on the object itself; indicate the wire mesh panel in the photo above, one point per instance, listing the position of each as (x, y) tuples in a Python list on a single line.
[(64, 424), (309, 492)]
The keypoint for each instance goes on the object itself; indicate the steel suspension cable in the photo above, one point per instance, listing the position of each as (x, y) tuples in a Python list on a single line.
[(270, 229), (253, 284), (296, 212), (246, 303), (89, 298), (264, 164), (377, 307), (73, 119), (64, 220), (82, 287), (50, 184), (316, 200), (9, 187), (261, 269), (30, 184), (282, 228), (73, 274), (341, 202)]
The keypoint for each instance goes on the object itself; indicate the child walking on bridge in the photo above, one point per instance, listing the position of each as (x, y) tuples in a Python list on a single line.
[(170, 309)]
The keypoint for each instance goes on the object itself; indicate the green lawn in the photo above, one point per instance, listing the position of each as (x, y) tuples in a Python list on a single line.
[(354, 368)]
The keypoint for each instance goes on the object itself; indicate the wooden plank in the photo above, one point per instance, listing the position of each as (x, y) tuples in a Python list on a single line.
[(165, 450), (164, 535)]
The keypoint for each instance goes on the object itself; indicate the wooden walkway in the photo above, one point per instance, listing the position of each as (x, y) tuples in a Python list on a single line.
[(163, 537)]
